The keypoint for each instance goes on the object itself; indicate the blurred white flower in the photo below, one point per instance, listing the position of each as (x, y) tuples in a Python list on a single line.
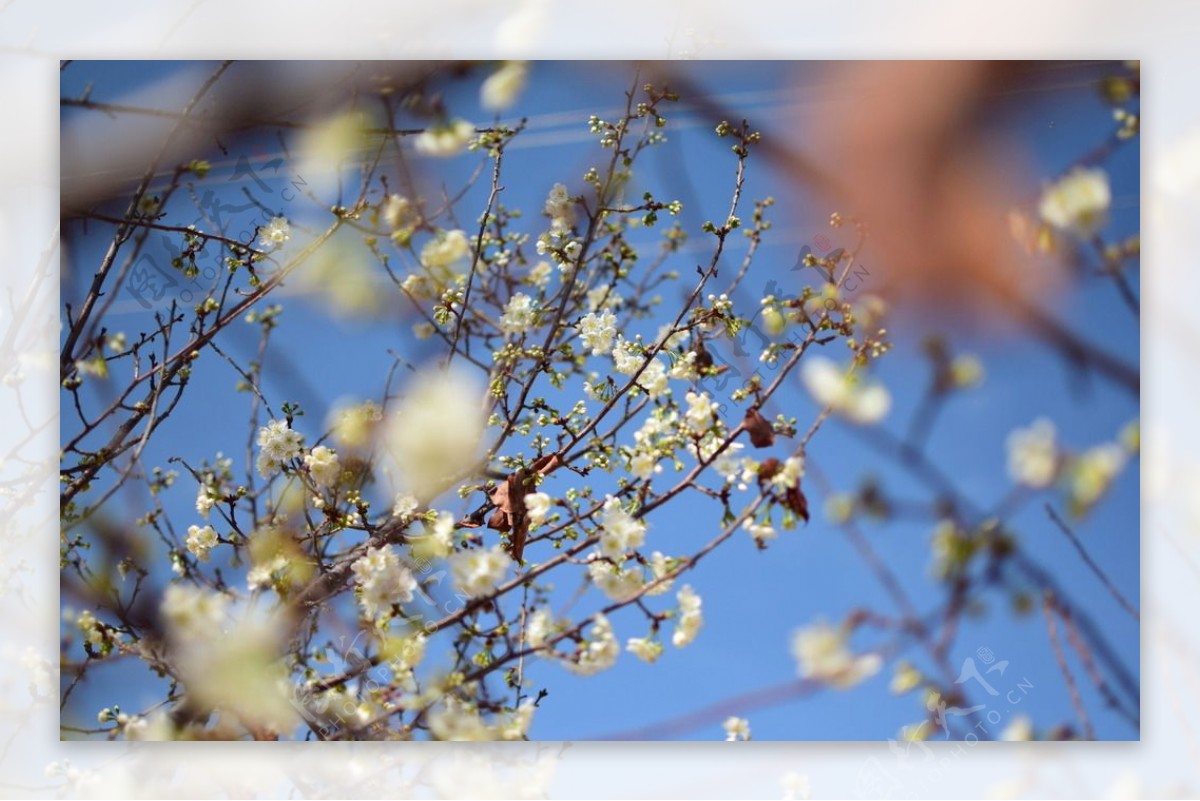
[(447, 139), (229, 662), (824, 655), (1092, 472), (93, 631), (354, 425), (604, 297), (397, 211), (1077, 202), (404, 506), (660, 567), (907, 679), (617, 583), (339, 276), (479, 571), (654, 379), (156, 727), (760, 532), (643, 464), (421, 287), (795, 786), (1019, 729), (736, 729), (514, 725), (445, 250), (620, 532), (191, 611), (323, 466), (454, 720), (598, 652), (790, 474), (966, 371), (539, 628), (502, 87), (690, 619), (700, 411), (537, 507), (327, 148), (435, 431), (847, 393), (1033, 454), (383, 581), (205, 500), (438, 540), (626, 357), (560, 209), (644, 649), (539, 274), (519, 314), (40, 672), (201, 540)]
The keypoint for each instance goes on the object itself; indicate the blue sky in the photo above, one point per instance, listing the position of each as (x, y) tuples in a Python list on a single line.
[(753, 600)]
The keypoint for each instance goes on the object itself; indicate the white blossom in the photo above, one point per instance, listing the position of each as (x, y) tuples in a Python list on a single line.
[(205, 500), (644, 649), (1077, 202), (690, 619), (700, 411), (736, 729), (539, 274), (190, 611), (617, 583), (824, 655), (200, 540), (383, 581), (560, 209), (448, 139), (788, 475), (478, 571), (92, 629), (660, 567), (419, 286), (1033, 455), (598, 329), (500, 89), (1093, 471), (438, 540), (540, 628), (456, 720), (729, 464), (654, 379), (537, 507), (405, 505), (397, 211), (519, 315), (599, 652), (445, 250), (627, 357), (604, 298), (275, 233), (1019, 729), (619, 531), (643, 464), (760, 532), (435, 431), (278, 443), (847, 393), (323, 466)]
